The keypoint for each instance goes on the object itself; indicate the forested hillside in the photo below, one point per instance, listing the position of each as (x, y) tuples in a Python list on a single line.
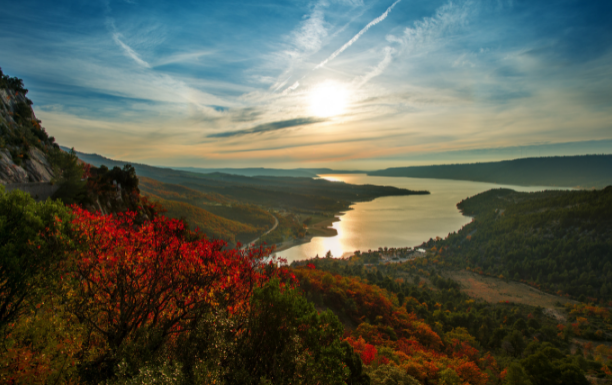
[(103, 299), (91, 298), (560, 241), (585, 171), (277, 192), (251, 204), (500, 343), (213, 226), (214, 215)]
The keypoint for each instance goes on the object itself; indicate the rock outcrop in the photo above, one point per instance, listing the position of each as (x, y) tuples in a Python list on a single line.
[(24, 144), (35, 169), (29, 158)]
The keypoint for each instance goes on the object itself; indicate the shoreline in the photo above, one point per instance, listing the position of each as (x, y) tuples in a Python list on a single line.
[(322, 228)]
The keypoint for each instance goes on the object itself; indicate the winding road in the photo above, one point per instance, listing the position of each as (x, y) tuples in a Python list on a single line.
[(267, 232)]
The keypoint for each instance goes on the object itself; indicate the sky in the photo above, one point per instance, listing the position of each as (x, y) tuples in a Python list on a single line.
[(346, 84)]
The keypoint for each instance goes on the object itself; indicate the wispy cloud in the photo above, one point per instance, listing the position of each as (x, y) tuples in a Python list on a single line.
[(274, 126), (297, 145), (357, 36), (455, 74), (360, 81), (426, 35), (181, 57), (305, 40), (353, 3), (312, 31), (245, 114), (448, 18), (291, 87), (129, 51)]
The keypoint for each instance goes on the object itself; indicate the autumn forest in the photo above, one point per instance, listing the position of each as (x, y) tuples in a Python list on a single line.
[(140, 275)]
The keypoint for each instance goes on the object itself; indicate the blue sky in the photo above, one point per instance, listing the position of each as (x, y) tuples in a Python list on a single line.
[(345, 83)]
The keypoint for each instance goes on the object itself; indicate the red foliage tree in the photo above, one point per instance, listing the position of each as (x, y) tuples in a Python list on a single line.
[(366, 351), (470, 373), (132, 278)]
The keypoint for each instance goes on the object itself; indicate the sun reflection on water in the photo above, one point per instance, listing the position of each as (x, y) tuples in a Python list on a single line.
[(396, 221)]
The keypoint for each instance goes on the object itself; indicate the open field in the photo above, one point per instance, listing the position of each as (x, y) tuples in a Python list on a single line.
[(495, 290)]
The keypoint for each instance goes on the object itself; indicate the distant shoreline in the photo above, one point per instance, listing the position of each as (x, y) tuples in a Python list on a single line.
[(322, 228)]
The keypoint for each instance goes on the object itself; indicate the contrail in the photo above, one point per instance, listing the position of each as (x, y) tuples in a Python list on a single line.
[(378, 69), (356, 37), (129, 51)]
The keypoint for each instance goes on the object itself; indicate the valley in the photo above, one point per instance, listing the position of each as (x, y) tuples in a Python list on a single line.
[(133, 274), (251, 203)]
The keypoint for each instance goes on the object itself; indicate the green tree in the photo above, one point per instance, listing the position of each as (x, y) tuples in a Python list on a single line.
[(287, 341), (393, 375), (514, 344), (400, 298), (516, 375), (66, 166), (448, 377), (68, 172), (550, 366), (33, 236)]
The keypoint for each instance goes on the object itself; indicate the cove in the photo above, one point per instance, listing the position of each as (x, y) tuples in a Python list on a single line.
[(397, 221)]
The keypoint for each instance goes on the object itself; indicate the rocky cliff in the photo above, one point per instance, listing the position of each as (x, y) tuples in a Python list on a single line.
[(30, 160), (24, 144)]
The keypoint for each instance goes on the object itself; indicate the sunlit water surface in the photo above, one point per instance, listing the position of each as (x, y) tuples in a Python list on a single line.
[(396, 221)]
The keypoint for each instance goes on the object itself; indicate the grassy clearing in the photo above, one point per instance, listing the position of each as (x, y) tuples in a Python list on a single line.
[(494, 290)]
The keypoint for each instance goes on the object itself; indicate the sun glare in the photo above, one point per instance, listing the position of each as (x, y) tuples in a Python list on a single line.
[(328, 99)]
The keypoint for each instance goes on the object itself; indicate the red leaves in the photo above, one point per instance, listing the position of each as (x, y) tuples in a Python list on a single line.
[(463, 349), (86, 170), (471, 373), (130, 277), (395, 336), (366, 351)]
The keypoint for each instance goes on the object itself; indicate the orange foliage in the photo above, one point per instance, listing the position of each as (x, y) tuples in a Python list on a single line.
[(366, 351), (419, 350), (588, 310), (471, 373)]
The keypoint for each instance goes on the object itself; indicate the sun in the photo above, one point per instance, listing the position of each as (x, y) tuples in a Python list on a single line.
[(328, 99)]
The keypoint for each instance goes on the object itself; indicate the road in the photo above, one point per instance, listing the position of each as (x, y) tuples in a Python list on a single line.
[(267, 232)]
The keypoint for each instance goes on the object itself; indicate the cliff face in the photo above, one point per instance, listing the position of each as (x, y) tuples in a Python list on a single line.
[(24, 144), (30, 159)]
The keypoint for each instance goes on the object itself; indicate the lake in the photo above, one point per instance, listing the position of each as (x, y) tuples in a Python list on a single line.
[(396, 221)]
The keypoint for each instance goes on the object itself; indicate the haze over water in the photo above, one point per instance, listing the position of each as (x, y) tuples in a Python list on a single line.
[(397, 221)]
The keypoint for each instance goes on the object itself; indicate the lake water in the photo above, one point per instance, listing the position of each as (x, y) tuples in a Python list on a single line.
[(396, 221)]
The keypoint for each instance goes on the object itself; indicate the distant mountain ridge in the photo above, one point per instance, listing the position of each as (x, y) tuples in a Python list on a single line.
[(585, 171), (271, 191), (97, 160), (261, 171)]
